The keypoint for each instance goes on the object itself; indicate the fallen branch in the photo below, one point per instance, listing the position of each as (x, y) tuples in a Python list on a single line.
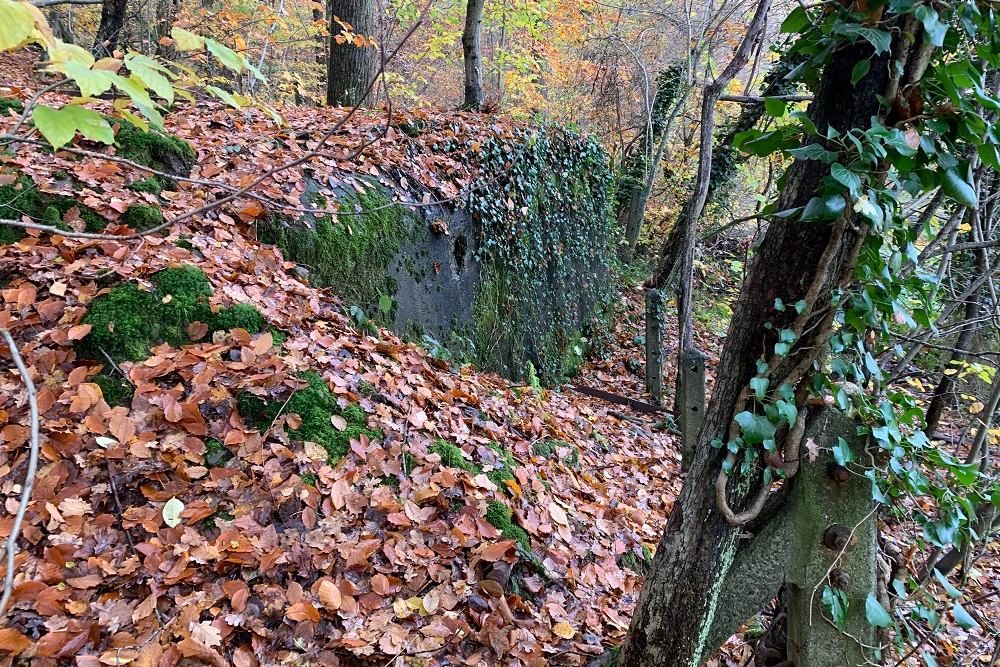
[(29, 478), (637, 405), (757, 99)]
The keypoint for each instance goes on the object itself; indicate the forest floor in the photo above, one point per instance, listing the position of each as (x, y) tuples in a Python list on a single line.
[(148, 545)]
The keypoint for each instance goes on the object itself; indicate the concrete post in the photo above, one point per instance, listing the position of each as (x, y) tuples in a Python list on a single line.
[(654, 345), (689, 408)]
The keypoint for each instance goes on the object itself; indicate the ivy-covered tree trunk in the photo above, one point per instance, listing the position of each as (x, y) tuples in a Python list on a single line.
[(796, 261), (472, 53), (110, 28), (353, 62)]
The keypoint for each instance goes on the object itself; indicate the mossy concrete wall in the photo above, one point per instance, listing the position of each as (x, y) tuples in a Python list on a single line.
[(514, 276)]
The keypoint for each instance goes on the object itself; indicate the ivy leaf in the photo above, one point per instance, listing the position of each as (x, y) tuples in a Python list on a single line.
[(958, 188), (846, 177), (813, 152), (835, 600), (962, 617), (952, 592), (796, 20), (756, 428), (876, 613), (880, 39), (859, 71), (933, 25), (759, 386), (842, 453), (821, 209), (775, 108)]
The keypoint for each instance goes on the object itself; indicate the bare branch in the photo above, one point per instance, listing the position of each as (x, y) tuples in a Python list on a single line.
[(29, 478)]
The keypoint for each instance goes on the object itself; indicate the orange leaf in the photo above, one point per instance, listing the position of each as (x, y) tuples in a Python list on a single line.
[(330, 595), (12, 641)]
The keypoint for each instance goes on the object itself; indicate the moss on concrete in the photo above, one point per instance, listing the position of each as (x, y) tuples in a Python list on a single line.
[(352, 255), (315, 404)]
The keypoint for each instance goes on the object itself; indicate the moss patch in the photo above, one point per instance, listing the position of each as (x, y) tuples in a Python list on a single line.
[(499, 476), (127, 321), (501, 517), (453, 457), (8, 103), (154, 148), (115, 389), (153, 185), (21, 198), (143, 216), (241, 316), (315, 404), (216, 453), (351, 255)]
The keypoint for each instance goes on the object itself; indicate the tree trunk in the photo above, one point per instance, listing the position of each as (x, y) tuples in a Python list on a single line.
[(352, 65), (680, 600), (472, 52), (166, 10), (321, 41), (110, 28)]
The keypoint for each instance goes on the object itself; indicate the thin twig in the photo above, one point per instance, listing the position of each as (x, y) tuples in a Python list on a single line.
[(29, 478)]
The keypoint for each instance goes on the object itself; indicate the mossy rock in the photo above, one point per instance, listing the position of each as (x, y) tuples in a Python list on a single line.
[(141, 217), (154, 148), (21, 198), (351, 255), (315, 404), (116, 390), (8, 103), (501, 517)]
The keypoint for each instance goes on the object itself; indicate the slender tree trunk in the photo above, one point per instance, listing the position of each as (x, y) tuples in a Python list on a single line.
[(675, 612), (352, 64), (472, 52), (321, 41), (166, 10), (110, 28)]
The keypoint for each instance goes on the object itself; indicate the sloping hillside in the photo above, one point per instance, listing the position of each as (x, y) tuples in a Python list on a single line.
[(293, 491)]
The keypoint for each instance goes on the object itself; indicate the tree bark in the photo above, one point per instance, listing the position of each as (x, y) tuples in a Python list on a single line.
[(110, 28), (166, 10), (680, 600), (472, 52), (351, 65)]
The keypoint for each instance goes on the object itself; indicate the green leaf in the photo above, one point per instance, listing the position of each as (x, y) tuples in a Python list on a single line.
[(847, 178), (880, 39), (957, 188), (756, 428), (825, 208), (91, 124), (835, 600), (150, 73), (56, 127), (774, 108), (952, 592), (962, 617), (226, 55), (933, 25), (225, 96), (796, 20), (187, 41), (876, 613), (859, 71), (842, 453), (91, 82), (813, 152), (17, 24), (759, 386)]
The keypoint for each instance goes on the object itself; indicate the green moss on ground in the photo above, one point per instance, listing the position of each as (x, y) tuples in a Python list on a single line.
[(453, 457), (500, 516), (143, 216), (241, 316), (366, 388), (155, 149), (547, 448), (315, 404), (216, 453), (499, 476), (153, 185), (21, 198), (638, 564), (184, 242), (115, 389), (182, 294), (8, 103), (351, 255)]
